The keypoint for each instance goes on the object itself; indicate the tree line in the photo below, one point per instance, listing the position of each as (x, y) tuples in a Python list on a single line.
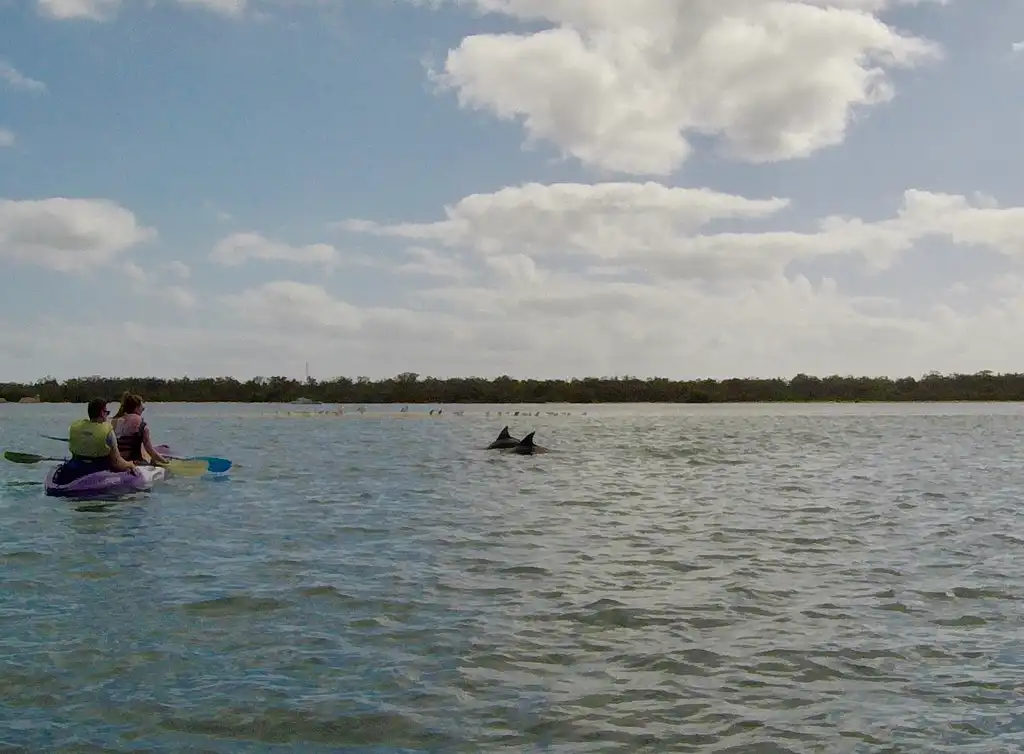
[(410, 387)]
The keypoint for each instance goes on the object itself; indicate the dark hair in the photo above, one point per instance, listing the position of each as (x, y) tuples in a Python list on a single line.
[(129, 402), (96, 407)]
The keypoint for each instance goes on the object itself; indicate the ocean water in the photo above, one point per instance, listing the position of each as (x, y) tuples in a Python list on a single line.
[(753, 578)]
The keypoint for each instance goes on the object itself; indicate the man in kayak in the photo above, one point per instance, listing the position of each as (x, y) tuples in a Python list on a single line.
[(93, 447), (132, 432)]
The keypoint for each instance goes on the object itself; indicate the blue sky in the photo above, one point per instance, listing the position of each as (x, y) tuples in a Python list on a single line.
[(727, 188)]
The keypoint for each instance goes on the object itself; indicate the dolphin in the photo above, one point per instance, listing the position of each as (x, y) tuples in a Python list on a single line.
[(504, 441), (526, 446)]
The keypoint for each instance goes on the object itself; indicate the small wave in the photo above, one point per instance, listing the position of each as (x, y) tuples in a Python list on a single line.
[(234, 605)]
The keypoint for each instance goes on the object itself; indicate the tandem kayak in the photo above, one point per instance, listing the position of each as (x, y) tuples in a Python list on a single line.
[(105, 483)]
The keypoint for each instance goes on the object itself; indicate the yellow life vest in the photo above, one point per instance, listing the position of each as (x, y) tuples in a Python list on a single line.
[(88, 439)]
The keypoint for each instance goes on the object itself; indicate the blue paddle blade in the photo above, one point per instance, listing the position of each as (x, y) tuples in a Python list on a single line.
[(216, 465)]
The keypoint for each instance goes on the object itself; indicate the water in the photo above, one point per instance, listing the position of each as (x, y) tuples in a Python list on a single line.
[(669, 579)]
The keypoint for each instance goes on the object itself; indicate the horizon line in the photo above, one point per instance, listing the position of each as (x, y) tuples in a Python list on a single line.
[(415, 377)]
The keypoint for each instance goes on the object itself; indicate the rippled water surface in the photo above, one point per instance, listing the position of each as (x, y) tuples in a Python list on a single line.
[(668, 579)]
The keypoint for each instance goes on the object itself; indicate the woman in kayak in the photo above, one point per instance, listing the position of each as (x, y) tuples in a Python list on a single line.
[(93, 447), (132, 432)]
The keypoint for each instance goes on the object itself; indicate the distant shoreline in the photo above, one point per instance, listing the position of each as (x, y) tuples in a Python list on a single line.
[(435, 404), (411, 389)]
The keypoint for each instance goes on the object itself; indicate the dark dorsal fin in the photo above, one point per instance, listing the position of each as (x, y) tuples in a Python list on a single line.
[(528, 440), (504, 435)]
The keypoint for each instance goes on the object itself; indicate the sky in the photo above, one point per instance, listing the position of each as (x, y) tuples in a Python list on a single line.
[(538, 188)]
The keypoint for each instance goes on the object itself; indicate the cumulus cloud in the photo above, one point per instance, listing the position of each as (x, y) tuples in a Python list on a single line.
[(292, 307), (429, 263), (676, 298), (569, 326), (65, 10), (31, 347), (228, 8), (176, 268), (15, 79), (562, 279), (625, 86), (239, 248), (105, 10), (608, 221), (647, 228), (177, 296), (150, 285), (68, 235)]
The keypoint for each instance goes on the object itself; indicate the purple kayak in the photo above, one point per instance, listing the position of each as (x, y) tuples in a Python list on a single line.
[(105, 483)]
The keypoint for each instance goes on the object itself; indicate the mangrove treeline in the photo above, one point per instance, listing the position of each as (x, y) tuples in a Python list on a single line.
[(411, 388)]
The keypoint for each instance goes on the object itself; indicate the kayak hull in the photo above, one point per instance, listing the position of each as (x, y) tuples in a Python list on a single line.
[(105, 483)]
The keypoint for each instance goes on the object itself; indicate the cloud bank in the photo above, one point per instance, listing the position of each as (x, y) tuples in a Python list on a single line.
[(626, 269)]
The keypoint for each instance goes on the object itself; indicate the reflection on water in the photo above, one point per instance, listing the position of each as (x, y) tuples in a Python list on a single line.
[(713, 579)]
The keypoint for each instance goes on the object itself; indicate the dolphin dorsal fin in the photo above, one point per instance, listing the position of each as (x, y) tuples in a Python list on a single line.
[(504, 435), (528, 440)]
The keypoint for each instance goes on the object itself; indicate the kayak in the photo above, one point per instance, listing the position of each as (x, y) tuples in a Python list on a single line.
[(105, 483), (109, 484)]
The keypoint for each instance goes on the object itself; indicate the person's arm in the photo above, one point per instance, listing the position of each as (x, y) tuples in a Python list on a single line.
[(116, 459), (147, 443)]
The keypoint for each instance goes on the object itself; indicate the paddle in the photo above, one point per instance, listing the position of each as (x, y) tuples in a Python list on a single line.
[(176, 467), (213, 463), (13, 457), (183, 467), (208, 463)]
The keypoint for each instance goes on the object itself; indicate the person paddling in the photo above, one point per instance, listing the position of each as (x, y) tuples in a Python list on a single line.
[(132, 432), (93, 446)]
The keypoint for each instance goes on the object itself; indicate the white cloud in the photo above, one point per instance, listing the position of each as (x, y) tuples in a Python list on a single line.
[(300, 308), (292, 306), (65, 10), (106, 10), (227, 8), (18, 80), (7, 138), (134, 272), (177, 296), (623, 85), (646, 228), (239, 248), (606, 220), (178, 269), (567, 327), (682, 300), (153, 290), (430, 263), (196, 351), (678, 300), (571, 278), (67, 235)]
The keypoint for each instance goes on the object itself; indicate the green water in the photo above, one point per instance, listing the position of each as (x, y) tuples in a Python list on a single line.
[(668, 579)]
